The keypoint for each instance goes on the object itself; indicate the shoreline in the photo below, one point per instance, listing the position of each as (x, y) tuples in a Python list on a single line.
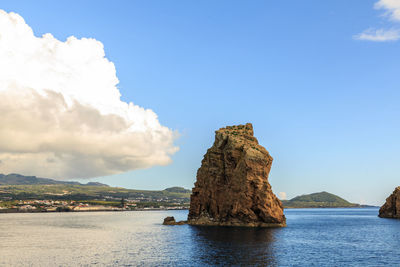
[(356, 207), (71, 211), (153, 209)]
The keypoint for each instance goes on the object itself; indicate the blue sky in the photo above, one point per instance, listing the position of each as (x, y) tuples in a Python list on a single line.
[(324, 103)]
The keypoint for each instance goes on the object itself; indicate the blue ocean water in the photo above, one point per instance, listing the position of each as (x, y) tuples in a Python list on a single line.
[(313, 237)]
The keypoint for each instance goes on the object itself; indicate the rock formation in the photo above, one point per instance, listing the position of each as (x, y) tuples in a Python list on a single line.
[(391, 209), (171, 221), (232, 186)]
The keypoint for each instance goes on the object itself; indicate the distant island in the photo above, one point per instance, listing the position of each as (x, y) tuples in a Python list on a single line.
[(19, 193), (320, 200)]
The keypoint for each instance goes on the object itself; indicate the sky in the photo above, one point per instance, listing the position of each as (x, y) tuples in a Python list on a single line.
[(318, 79)]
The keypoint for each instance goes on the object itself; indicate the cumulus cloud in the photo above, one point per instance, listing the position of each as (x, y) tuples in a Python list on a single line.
[(282, 195), (60, 110), (378, 35), (392, 10)]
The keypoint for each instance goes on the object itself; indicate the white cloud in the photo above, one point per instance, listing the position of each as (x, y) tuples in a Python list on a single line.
[(282, 195), (60, 110), (378, 35), (392, 8)]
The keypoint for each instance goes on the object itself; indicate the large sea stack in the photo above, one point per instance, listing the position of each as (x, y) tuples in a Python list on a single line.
[(232, 186), (391, 209)]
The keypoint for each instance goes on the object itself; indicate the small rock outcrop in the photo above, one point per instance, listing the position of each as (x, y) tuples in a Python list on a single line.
[(171, 221), (232, 186), (391, 209)]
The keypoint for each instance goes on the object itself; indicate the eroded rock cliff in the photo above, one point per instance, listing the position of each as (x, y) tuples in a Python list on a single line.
[(391, 209), (232, 186)]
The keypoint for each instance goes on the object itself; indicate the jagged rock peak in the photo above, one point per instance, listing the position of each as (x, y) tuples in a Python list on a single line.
[(232, 183), (391, 208), (238, 130)]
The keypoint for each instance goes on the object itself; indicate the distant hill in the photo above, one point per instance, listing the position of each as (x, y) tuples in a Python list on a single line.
[(14, 187), (177, 189), (95, 184), (318, 200), (18, 179)]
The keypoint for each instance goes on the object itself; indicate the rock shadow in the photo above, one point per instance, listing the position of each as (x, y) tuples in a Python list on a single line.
[(234, 246)]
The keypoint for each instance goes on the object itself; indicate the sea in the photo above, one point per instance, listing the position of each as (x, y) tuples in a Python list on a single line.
[(313, 237)]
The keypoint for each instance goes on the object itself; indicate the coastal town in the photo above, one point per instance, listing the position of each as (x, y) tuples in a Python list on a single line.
[(84, 206), (20, 193)]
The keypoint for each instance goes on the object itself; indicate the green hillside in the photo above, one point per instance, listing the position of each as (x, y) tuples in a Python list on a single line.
[(15, 187), (318, 200), (79, 192), (177, 189), (18, 179)]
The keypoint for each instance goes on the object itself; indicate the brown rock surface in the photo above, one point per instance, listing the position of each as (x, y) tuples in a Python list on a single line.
[(391, 209), (170, 220), (232, 186)]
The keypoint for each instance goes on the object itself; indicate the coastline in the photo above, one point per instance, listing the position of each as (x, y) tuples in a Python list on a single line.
[(156, 209), (97, 210), (355, 207)]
